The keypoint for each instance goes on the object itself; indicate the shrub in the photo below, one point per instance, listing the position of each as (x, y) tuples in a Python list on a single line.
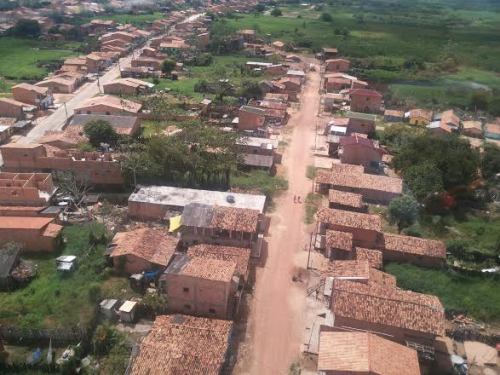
[(276, 12), (326, 17)]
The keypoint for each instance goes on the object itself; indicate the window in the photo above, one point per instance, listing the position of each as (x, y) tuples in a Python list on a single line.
[(187, 307), (88, 112), (211, 311), (185, 290)]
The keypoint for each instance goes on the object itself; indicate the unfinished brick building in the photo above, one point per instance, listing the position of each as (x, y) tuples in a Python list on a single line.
[(26, 189), (95, 167), (32, 233)]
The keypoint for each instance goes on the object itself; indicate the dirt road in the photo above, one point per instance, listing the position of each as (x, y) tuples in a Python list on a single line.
[(277, 314)]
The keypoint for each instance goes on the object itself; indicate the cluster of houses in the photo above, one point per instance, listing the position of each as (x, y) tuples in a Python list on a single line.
[(371, 325)]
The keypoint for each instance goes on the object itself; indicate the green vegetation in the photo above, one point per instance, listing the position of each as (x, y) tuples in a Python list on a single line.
[(29, 59), (449, 52), (311, 172), (258, 181), (403, 211), (111, 348), (312, 204), (476, 295), (53, 299), (138, 20), (100, 131)]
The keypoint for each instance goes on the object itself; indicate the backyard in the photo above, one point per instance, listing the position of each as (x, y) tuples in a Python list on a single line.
[(55, 300)]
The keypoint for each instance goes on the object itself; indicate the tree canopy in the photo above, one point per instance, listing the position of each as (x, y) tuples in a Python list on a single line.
[(403, 211), (167, 66), (490, 161), (276, 12), (100, 131), (27, 28)]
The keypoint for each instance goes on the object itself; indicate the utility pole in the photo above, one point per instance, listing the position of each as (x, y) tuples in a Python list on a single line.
[(309, 253)]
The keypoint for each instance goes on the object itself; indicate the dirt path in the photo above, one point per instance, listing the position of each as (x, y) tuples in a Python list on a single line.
[(277, 314)]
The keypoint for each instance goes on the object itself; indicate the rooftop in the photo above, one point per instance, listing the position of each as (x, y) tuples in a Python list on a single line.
[(180, 344), (386, 305), (254, 110), (111, 101), (363, 352), (24, 222), (209, 268), (153, 245), (241, 256), (374, 257), (180, 197), (37, 89), (366, 92), (339, 240), (345, 199), (415, 245), (350, 219)]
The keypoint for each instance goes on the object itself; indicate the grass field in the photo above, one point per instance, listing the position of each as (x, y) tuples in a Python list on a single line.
[(55, 300), (476, 295), (434, 54), (27, 59), (138, 20), (222, 67), (259, 182)]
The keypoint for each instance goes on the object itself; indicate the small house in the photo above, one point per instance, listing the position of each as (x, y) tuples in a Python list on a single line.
[(472, 129), (392, 115), (127, 312), (365, 100), (359, 150), (66, 263), (337, 65), (330, 53), (492, 131), (108, 307), (419, 117), (108, 105), (346, 201), (251, 118)]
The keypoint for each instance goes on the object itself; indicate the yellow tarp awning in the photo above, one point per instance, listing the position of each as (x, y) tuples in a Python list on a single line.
[(175, 223)]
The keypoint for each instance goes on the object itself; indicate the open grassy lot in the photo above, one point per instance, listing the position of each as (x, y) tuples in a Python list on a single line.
[(258, 181), (436, 53), (476, 295), (28, 59), (222, 67), (55, 300)]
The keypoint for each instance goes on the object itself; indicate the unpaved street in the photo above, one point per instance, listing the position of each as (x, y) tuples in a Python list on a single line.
[(277, 314)]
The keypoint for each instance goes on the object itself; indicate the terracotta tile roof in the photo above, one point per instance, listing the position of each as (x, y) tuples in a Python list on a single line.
[(235, 219), (345, 199), (374, 257), (240, 256), (37, 89), (366, 92), (180, 344), (153, 245), (24, 222), (426, 115), (111, 101), (388, 306), (363, 352), (14, 102), (339, 240), (415, 245), (492, 128), (325, 176), (209, 268), (394, 113), (52, 230), (349, 269), (382, 278), (350, 219), (472, 125)]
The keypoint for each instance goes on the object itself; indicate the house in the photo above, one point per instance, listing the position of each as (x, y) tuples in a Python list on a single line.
[(364, 227), (330, 53), (240, 256), (346, 201), (32, 233), (108, 105), (142, 249), (337, 65), (40, 97), (251, 118), (362, 123), (364, 353), (229, 226), (66, 139), (359, 150), (202, 286), (64, 83), (13, 108), (405, 317), (445, 123), (419, 251), (97, 62), (26, 189), (359, 271), (99, 168), (373, 188), (280, 98), (127, 86), (160, 202), (147, 62), (258, 152), (472, 129), (296, 73), (392, 115), (337, 244), (419, 117), (374, 257), (492, 131), (365, 100), (248, 35), (203, 40), (121, 35), (123, 125), (180, 344), (74, 64)]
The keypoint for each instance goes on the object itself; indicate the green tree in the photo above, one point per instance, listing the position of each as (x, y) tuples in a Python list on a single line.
[(27, 28), (167, 66), (100, 131), (424, 179), (276, 12), (403, 211), (260, 8), (326, 17), (490, 161)]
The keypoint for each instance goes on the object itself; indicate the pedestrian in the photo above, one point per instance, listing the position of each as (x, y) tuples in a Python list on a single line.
[(298, 199), (294, 199)]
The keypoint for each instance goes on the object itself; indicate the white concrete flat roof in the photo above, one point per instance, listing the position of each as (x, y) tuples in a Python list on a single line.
[(180, 197)]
